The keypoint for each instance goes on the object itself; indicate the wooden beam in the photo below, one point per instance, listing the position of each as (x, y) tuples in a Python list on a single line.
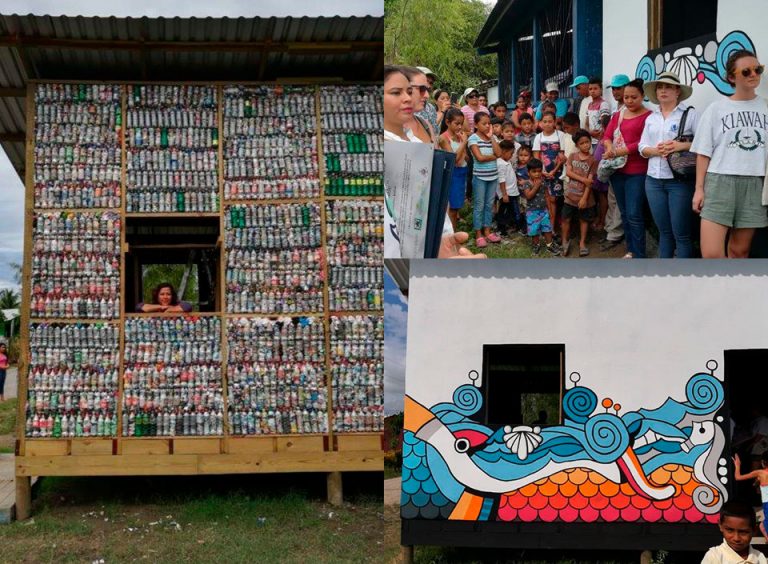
[(13, 136), (23, 497), (655, 18), (13, 92), (308, 47)]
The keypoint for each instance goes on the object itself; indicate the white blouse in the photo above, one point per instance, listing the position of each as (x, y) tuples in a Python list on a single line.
[(658, 129)]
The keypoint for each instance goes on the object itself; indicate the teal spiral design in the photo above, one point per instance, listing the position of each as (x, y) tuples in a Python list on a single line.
[(606, 437), (704, 392), (645, 69), (467, 399), (579, 403)]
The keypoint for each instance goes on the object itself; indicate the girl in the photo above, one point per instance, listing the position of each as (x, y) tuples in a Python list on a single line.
[(548, 148), (669, 199), (629, 181), (3, 368), (522, 107), (732, 151), (454, 139), (443, 102), (485, 179)]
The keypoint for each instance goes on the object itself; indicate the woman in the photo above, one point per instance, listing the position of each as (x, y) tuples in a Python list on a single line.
[(3, 369), (472, 105), (398, 108), (164, 300), (731, 146), (669, 198), (443, 103), (629, 181), (419, 94), (398, 105)]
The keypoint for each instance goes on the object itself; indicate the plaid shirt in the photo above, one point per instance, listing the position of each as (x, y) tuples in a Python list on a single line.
[(429, 113)]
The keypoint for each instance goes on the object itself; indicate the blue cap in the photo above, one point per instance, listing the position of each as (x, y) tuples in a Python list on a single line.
[(581, 79), (619, 80)]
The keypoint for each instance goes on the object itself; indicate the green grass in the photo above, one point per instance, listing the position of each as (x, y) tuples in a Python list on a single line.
[(512, 246), (8, 416), (281, 518), (392, 471)]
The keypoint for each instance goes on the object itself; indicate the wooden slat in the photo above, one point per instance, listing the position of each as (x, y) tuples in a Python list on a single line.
[(82, 447), (197, 446), (145, 446), (188, 464), (47, 448), (351, 442), (300, 444), (245, 445)]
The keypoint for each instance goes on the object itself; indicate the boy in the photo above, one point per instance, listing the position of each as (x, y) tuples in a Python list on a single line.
[(761, 475), (537, 215), (737, 520), (581, 169), (524, 155), (527, 134), (508, 131), (598, 110), (496, 127), (500, 110), (509, 211)]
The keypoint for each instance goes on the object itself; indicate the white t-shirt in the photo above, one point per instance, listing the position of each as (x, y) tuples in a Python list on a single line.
[(724, 554), (508, 176), (555, 137), (734, 134)]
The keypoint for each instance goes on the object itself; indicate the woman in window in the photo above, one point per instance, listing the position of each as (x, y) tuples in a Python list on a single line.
[(732, 147), (164, 300)]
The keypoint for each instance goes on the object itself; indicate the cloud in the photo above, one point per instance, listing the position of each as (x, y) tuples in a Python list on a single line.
[(395, 338)]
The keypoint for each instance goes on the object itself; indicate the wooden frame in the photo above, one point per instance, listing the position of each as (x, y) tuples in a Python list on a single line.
[(161, 455)]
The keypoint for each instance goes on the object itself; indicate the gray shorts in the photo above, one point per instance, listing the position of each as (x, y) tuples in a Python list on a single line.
[(734, 201)]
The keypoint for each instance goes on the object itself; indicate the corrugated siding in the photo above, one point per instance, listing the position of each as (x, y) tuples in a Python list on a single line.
[(72, 64)]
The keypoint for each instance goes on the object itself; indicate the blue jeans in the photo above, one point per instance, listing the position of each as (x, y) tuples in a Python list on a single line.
[(670, 202), (483, 192), (630, 196)]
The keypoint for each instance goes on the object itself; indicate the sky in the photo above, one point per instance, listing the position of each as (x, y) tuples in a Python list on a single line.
[(12, 188), (395, 326)]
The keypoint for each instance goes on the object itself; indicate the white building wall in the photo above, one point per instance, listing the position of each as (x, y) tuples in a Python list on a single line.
[(636, 331), (625, 39)]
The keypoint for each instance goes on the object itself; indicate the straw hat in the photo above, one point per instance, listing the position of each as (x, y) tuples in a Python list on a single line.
[(649, 88)]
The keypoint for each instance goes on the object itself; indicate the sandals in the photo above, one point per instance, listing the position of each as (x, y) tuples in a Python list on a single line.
[(493, 238), (566, 249), (481, 243), (628, 256), (583, 251)]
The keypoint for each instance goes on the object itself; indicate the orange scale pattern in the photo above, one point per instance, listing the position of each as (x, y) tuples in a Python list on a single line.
[(584, 495)]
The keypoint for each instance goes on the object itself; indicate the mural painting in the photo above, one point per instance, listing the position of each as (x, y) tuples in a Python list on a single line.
[(698, 60), (651, 465)]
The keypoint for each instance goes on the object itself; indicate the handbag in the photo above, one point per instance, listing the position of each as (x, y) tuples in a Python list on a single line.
[(683, 163), (608, 166)]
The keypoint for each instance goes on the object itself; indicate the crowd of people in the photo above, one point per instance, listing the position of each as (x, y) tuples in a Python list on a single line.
[(565, 172)]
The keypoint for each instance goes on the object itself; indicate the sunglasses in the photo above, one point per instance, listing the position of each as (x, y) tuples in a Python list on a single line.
[(472, 96), (422, 88), (758, 70)]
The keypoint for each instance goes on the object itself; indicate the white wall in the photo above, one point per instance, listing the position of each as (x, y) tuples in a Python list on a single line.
[(625, 39), (636, 331)]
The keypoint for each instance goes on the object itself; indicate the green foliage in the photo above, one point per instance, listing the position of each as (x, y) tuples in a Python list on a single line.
[(9, 299), (8, 416), (155, 274), (438, 35)]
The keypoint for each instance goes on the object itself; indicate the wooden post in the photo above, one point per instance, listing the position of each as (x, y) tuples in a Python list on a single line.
[(646, 557), (23, 498), (407, 552), (335, 494)]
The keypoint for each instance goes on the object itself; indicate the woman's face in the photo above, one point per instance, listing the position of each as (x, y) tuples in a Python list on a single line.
[(667, 92), (164, 296), (398, 105), (633, 98), (748, 65), (444, 100), (473, 99), (420, 92)]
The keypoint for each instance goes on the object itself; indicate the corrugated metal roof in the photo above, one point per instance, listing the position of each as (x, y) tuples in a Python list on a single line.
[(177, 49)]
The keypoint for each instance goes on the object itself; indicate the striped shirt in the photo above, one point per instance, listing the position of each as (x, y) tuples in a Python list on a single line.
[(486, 170)]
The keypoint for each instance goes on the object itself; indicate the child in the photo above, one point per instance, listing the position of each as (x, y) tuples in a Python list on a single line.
[(485, 179), (454, 139), (496, 128), (548, 147), (509, 211), (508, 131), (522, 108), (598, 110), (500, 110), (581, 169), (761, 475), (536, 214), (527, 132), (737, 520), (524, 155)]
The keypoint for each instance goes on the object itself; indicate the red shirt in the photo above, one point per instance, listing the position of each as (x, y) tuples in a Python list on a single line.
[(631, 130)]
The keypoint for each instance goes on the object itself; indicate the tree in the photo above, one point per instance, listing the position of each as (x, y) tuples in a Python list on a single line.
[(438, 35), (9, 299)]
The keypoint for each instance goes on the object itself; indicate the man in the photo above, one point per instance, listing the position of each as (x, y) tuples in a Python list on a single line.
[(581, 98), (614, 230), (553, 95), (429, 113)]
